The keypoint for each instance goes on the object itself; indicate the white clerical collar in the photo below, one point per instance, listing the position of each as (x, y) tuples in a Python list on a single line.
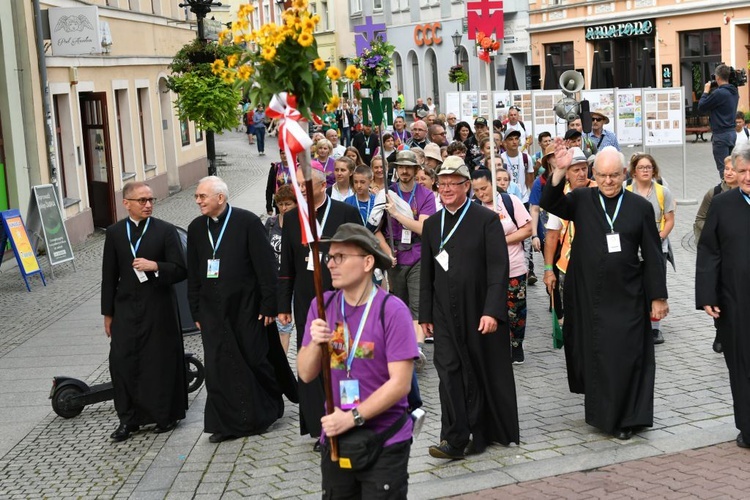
[(454, 212), (216, 219), (136, 222)]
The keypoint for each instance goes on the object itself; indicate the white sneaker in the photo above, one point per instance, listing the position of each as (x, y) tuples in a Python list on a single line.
[(421, 361), (418, 417)]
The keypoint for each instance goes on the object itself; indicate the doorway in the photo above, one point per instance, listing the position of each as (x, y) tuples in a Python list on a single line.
[(98, 156)]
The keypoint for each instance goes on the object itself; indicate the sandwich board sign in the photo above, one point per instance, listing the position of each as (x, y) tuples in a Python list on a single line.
[(13, 230), (45, 220)]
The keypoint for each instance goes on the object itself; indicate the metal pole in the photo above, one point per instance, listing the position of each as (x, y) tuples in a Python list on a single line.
[(46, 107)]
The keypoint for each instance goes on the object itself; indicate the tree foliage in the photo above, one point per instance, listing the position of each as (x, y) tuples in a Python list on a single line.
[(203, 97)]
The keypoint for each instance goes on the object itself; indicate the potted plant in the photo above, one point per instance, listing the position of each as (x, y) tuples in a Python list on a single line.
[(457, 74)]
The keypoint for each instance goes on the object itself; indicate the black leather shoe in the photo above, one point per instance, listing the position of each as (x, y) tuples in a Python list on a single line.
[(741, 441), (624, 434), (123, 432), (717, 347), (159, 429), (474, 448), (658, 337), (445, 450), (218, 438)]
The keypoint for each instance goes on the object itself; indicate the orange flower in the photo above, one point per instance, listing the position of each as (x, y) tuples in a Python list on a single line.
[(480, 36), (496, 46), (486, 43)]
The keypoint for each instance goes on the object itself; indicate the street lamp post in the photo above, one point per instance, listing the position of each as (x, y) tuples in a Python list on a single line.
[(201, 8), (457, 50)]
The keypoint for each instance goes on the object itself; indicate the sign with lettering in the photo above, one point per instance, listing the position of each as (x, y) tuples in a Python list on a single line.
[(427, 34), (75, 31), (45, 216), (666, 76), (620, 30), (485, 16), (13, 230)]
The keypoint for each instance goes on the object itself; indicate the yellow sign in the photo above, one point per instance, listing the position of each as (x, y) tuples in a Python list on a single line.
[(23, 245)]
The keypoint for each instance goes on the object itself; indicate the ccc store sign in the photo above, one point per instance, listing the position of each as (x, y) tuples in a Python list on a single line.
[(428, 34)]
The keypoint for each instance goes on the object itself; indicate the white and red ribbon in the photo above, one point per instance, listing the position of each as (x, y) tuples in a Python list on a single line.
[(294, 139)]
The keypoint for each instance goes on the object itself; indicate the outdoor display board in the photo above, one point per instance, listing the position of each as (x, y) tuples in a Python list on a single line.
[(45, 218), (665, 116), (629, 117), (13, 230), (544, 118), (602, 100)]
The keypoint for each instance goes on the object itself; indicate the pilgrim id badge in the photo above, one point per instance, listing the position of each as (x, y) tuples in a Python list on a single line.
[(613, 242), (212, 270), (310, 262), (443, 259), (141, 275), (406, 236), (349, 393)]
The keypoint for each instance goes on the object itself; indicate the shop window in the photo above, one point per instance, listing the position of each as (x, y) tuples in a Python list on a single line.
[(185, 132), (355, 6), (700, 52)]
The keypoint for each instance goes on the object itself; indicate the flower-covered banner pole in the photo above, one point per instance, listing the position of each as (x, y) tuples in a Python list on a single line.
[(485, 47), (280, 66), (372, 70)]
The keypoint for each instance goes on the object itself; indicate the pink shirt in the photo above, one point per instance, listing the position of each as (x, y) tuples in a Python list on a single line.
[(516, 255)]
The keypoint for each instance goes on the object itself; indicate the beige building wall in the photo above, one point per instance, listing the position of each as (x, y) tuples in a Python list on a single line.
[(144, 139)]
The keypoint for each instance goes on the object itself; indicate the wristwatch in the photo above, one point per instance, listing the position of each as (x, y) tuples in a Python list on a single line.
[(359, 420)]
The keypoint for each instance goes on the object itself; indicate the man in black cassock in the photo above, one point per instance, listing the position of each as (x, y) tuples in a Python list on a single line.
[(722, 286), (464, 284), (610, 294), (232, 294), (142, 260), (296, 286)]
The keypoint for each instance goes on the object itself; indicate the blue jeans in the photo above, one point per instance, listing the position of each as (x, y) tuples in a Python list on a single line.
[(260, 135), (346, 136), (722, 144)]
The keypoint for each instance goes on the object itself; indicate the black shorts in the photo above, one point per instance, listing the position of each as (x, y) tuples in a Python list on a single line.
[(387, 479)]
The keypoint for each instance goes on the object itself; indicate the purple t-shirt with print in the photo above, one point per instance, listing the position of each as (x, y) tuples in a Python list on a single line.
[(377, 347), (423, 203)]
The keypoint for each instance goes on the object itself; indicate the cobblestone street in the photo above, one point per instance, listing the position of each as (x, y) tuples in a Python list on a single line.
[(57, 330)]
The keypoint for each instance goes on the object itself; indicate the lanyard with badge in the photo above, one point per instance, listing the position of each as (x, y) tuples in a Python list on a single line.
[(747, 198), (613, 238), (368, 209), (349, 388), (406, 233), (442, 257), (134, 249), (212, 270), (310, 257)]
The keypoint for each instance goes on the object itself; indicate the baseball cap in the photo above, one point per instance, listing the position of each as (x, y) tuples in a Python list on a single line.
[(511, 132), (480, 121)]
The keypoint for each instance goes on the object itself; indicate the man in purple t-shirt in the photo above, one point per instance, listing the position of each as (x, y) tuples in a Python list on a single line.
[(373, 351), (407, 237)]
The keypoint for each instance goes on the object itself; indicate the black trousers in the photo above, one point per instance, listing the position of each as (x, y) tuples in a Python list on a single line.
[(387, 479)]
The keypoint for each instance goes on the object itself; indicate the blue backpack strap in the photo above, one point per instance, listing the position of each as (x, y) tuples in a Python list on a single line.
[(508, 202)]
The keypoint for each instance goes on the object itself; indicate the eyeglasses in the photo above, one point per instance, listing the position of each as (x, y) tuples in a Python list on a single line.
[(608, 176), (439, 133), (644, 167), (203, 197), (597, 119), (338, 258), (419, 129), (446, 185), (142, 201)]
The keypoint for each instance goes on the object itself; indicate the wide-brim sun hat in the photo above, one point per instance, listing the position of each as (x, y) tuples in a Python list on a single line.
[(359, 235)]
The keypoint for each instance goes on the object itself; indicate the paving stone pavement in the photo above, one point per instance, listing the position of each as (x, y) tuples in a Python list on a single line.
[(57, 330)]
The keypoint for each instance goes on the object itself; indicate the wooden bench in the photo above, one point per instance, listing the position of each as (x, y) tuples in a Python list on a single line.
[(698, 131)]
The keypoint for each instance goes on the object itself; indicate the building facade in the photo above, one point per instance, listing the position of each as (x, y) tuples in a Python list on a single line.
[(422, 32), (662, 43), (111, 114)]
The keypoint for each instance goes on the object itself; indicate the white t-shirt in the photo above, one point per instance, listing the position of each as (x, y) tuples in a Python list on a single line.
[(338, 152), (742, 137), (518, 172), (554, 223)]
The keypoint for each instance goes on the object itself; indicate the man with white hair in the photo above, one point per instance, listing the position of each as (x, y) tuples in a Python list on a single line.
[(232, 294), (337, 150), (611, 291), (721, 285)]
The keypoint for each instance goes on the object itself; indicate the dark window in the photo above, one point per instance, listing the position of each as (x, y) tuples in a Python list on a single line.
[(700, 53), (562, 56), (185, 132)]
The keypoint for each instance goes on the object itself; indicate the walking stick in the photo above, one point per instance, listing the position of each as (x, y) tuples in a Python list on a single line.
[(304, 162)]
